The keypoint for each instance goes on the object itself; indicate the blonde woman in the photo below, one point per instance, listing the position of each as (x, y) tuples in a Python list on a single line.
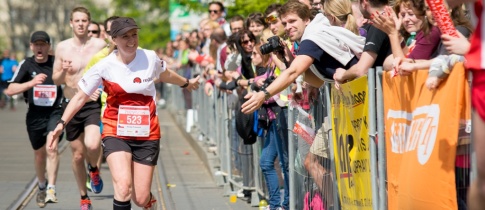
[(339, 13)]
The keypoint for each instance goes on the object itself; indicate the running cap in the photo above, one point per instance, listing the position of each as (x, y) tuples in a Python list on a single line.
[(40, 36), (121, 25)]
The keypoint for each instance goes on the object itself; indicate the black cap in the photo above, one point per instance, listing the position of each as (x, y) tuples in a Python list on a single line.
[(121, 25), (40, 36)]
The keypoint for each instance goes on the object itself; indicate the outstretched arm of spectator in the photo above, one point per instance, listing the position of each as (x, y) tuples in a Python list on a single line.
[(359, 69), (312, 79), (297, 67)]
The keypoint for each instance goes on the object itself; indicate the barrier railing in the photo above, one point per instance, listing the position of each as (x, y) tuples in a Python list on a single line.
[(237, 165)]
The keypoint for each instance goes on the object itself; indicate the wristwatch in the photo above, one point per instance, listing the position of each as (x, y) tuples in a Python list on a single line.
[(266, 94), (60, 121), (186, 83)]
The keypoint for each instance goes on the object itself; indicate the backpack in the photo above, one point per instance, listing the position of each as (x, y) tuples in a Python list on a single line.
[(244, 122)]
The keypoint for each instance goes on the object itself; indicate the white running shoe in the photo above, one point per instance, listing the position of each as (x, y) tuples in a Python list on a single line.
[(51, 196)]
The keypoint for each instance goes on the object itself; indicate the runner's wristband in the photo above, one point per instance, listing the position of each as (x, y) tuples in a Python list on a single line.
[(186, 83), (60, 121)]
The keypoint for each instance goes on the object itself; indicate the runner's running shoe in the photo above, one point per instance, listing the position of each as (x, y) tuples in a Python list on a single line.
[(86, 204), (41, 198), (51, 196), (96, 181), (152, 205)]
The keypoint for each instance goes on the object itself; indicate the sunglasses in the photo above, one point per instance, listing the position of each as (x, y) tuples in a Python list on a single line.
[(271, 18), (93, 31), (246, 42), (214, 11)]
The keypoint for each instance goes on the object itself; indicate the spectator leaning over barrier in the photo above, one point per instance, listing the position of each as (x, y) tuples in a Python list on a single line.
[(317, 160), (244, 42), (318, 46), (272, 118), (440, 66), (377, 46), (411, 15)]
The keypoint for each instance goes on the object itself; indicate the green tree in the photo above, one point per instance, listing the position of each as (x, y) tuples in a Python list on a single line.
[(150, 15), (246, 7), (241, 7)]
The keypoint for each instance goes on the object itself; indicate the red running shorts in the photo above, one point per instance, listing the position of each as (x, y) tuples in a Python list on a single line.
[(478, 93)]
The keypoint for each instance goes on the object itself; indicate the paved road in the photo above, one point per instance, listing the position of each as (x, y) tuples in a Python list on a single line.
[(191, 186)]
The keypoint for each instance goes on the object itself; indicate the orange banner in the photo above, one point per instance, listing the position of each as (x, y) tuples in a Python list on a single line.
[(421, 130)]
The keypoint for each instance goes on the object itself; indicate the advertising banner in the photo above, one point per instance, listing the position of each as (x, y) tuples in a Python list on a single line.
[(421, 132), (351, 144)]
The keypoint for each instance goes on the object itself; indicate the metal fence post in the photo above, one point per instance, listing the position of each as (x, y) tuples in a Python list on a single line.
[(291, 156), (371, 92), (381, 141), (330, 142)]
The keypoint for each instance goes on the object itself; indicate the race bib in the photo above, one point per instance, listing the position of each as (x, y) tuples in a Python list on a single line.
[(45, 95), (133, 121)]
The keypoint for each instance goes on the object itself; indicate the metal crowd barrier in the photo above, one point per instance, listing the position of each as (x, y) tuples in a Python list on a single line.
[(237, 165)]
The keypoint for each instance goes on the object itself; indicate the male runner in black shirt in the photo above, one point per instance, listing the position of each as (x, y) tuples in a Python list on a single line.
[(34, 79)]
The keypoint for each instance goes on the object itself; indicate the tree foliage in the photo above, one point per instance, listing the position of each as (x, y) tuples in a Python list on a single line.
[(241, 7), (150, 15)]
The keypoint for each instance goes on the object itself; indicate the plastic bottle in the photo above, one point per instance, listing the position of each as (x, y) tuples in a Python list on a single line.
[(263, 204), (411, 38)]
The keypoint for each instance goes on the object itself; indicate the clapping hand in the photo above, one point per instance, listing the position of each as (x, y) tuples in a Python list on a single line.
[(387, 20)]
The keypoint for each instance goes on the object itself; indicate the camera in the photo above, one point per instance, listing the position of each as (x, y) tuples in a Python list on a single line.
[(273, 45), (266, 83)]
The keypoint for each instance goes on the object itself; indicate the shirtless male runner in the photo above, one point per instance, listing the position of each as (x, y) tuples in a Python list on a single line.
[(71, 56)]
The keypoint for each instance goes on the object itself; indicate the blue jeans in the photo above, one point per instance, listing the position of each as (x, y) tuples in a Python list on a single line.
[(276, 145)]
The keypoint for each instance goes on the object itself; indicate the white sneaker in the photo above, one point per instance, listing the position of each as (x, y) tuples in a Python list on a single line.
[(240, 193), (51, 196)]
